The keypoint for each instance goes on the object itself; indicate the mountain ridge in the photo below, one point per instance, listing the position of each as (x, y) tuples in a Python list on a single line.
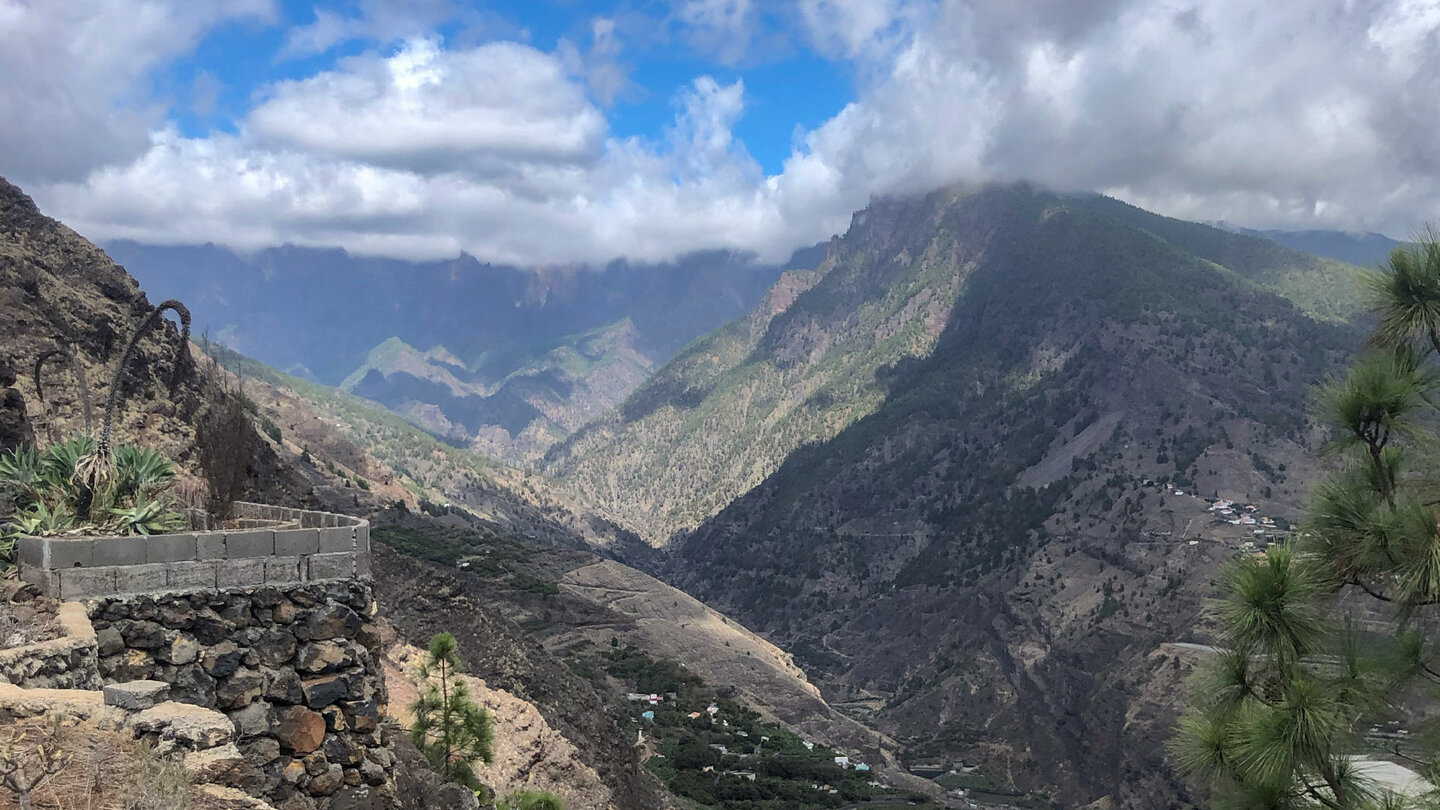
[(986, 555), (516, 332)]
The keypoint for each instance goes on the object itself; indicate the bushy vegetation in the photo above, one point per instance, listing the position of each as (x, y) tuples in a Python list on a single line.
[(1280, 717), (730, 760), (84, 484), (52, 498)]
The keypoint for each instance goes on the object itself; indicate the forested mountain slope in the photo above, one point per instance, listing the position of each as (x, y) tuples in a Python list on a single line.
[(827, 347), (989, 562)]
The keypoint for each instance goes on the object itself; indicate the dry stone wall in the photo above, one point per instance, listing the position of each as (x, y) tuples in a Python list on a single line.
[(68, 662), (295, 668), (270, 621)]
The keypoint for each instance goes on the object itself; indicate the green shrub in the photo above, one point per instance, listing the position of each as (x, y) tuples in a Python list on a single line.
[(50, 495)]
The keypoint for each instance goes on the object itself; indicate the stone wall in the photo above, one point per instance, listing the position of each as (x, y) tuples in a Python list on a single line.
[(68, 662), (295, 668), (274, 546)]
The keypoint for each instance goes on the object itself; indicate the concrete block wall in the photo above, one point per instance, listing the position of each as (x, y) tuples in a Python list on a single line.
[(284, 547)]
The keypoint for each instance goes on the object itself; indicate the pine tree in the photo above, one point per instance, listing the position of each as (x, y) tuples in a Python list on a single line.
[(1278, 718), (449, 728)]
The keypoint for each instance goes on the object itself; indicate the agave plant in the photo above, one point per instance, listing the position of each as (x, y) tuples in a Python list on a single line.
[(50, 497), (146, 517), (141, 473), (22, 473)]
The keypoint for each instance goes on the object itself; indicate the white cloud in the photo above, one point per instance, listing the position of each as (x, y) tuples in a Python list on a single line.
[(428, 109), (1313, 114), (74, 93), (374, 20), (1283, 114), (723, 27), (368, 173)]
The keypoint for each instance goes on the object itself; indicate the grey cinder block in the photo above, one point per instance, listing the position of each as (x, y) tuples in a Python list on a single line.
[(136, 696), (241, 573), (282, 570), (140, 578), (166, 548), (336, 540), (362, 538), (332, 566), (362, 565), (80, 582), (190, 575), (68, 552), (294, 542), (31, 552), (210, 546), (118, 551), (253, 543), (46, 580)]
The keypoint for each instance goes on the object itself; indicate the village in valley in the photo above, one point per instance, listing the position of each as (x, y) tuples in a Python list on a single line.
[(1243, 527)]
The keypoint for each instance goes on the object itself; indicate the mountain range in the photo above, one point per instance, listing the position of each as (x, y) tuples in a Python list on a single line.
[(506, 359), (960, 462), (957, 469)]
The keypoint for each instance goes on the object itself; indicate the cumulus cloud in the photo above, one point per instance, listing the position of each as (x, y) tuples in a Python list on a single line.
[(74, 94), (1284, 114), (433, 110), (515, 184), (1272, 115)]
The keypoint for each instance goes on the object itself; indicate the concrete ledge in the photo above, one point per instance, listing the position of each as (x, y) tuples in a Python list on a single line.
[(79, 633), (275, 553)]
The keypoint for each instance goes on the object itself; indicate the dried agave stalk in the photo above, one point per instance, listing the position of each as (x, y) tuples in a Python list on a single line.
[(81, 384), (94, 471), (181, 355)]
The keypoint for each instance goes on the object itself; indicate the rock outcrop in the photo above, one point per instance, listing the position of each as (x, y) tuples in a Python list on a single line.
[(15, 427)]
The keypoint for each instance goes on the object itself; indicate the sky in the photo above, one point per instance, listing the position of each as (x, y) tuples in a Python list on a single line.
[(542, 132)]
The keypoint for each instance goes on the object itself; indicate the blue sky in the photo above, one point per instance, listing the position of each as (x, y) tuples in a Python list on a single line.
[(578, 131), (787, 84)]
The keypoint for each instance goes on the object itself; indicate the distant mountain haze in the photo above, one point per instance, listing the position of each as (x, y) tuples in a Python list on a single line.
[(509, 359), (1363, 249)]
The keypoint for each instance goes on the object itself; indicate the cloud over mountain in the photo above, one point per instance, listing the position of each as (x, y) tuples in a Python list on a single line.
[(1274, 115)]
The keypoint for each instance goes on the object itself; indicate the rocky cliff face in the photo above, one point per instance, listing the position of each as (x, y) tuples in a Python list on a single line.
[(59, 291), (987, 563), (15, 427)]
